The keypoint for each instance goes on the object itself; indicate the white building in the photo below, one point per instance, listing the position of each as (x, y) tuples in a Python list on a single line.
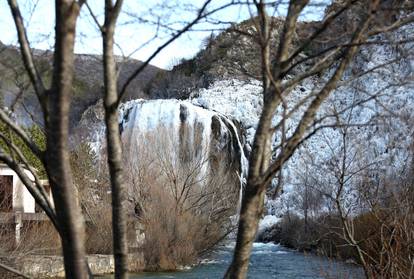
[(14, 196), (16, 203)]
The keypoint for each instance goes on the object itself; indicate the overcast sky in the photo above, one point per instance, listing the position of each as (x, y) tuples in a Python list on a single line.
[(136, 26)]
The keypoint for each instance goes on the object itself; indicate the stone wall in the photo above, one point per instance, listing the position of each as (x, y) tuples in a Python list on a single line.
[(52, 266)]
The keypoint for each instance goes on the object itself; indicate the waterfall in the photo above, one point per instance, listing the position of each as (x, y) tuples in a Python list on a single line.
[(190, 132)]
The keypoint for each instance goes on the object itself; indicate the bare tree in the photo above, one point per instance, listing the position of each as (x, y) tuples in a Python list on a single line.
[(112, 100), (344, 167), (374, 210), (279, 81), (182, 201), (55, 104)]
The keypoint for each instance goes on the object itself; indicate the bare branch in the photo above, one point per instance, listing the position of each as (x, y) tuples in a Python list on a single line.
[(317, 102), (14, 271), (27, 56), (289, 28), (29, 185), (94, 17), (326, 23), (201, 13), (23, 159)]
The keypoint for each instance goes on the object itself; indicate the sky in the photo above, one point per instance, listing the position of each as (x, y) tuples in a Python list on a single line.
[(142, 27)]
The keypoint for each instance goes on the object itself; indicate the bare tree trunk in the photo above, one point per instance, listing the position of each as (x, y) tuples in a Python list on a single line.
[(253, 199), (114, 144), (250, 213), (58, 166), (119, 222), (55, 105)]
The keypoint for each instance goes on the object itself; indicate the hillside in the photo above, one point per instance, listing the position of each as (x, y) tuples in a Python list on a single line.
[(235, 53), (88, 82)]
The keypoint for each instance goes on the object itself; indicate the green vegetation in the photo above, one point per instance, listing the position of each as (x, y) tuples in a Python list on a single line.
[(82, 160), (37, 135)]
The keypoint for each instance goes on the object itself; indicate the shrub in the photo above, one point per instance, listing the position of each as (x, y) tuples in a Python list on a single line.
[(182, 201), (95, 200), (36, 237)]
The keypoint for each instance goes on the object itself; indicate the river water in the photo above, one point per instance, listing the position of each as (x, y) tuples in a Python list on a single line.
[(267, 261)]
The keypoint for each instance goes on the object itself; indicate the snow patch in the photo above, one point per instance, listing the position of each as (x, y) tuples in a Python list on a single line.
[(267, 222), (268, 245)]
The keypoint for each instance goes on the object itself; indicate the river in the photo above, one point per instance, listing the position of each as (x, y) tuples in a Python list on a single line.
[(267, 261)]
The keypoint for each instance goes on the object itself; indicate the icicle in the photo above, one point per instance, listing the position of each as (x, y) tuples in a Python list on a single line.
[(244, 163)]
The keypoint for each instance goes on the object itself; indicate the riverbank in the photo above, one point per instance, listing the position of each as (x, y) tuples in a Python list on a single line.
[(50, 266), (314, 237)]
